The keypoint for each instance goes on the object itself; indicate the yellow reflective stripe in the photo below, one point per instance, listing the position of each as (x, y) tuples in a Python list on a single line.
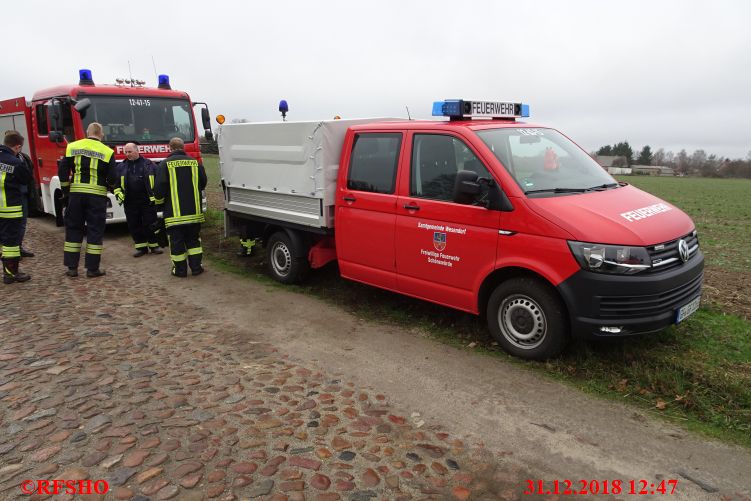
[(195, 250), (141, 246), (2, 188), (153, 246), (159, 200), (10, 208), (9, 251), (64, 183), (173, 191), (178, 257), (93, 189), (151, 181), (171, 221), (71, 247), (194, 175), (93, 249), (77, 170), (93, 171)]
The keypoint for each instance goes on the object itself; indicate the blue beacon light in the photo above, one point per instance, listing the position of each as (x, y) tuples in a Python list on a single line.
[(164, 82), (84, 77), (283, 108)]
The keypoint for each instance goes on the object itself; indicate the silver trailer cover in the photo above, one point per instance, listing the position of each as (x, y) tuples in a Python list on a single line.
[(284, 171)]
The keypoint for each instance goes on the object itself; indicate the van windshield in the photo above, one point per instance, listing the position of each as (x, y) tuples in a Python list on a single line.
[(545, 162), (141, 119)]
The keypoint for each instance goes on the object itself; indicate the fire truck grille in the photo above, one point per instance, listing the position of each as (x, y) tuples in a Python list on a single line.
[(641, 306), (666, 257)]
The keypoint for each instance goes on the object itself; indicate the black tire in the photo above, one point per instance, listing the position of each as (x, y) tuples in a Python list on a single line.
[(281, 262), (528, 319)]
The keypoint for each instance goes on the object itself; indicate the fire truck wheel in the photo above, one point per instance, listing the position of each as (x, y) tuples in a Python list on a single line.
[(281, 261), (528, 319)]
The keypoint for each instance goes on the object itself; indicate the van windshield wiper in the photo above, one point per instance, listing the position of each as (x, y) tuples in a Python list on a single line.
[(603, 186), (558, 190)]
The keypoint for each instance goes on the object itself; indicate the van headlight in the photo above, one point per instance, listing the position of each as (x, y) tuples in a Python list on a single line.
[(615, 259)]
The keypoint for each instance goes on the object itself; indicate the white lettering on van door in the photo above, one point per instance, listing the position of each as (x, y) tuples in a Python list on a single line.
[(645, 212)]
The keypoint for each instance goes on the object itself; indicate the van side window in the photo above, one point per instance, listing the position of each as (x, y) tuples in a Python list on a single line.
[(435, 161), (42, 125), (374, 162)]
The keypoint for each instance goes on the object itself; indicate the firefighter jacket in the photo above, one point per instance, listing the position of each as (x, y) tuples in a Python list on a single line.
[(179, 181), (135, 180), (13, 176), (92, 165)]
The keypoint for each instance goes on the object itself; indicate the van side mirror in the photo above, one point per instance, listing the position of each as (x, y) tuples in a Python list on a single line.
[(466, 187), (205, 118)]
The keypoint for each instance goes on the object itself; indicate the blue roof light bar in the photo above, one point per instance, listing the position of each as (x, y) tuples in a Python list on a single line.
[(459, 108)]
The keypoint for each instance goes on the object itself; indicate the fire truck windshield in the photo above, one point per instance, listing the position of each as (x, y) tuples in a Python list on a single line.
[(141, 119), (544, 161)]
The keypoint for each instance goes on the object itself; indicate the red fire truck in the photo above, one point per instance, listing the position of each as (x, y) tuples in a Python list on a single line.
[(128, 111), (480, 212)]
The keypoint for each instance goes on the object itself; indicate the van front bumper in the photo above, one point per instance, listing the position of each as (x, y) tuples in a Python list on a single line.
[(602, 305)]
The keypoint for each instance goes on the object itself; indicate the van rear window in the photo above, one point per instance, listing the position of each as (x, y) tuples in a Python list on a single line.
[(374, 162)]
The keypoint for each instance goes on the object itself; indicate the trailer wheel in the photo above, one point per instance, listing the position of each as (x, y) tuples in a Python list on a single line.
[(528, 319), (281, 260)]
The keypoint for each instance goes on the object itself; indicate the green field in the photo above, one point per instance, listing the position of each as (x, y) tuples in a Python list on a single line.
[(697, 374)]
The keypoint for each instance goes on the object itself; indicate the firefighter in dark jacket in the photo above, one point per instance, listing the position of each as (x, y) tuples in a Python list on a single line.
[(135, 190), (92, 167), (28, 194), (13, 175), (179, 181)]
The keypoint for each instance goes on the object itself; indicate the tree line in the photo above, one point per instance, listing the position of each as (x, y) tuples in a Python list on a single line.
[(699, 163)]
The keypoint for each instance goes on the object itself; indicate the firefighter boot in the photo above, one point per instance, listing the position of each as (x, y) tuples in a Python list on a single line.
[(194, 262), (11, 273), (180, 269)]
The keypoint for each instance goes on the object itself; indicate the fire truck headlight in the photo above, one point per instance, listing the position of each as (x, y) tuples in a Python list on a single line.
[(615, 259)]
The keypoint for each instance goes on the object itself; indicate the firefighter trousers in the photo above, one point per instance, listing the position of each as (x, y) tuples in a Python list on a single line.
[(185, 245), (10, 240), (141, 217), (85, 215)]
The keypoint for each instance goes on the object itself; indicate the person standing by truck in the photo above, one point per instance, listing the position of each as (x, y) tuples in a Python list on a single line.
[(27, 195), (92, 165), (180, 179), (13, 175), (134, 189)]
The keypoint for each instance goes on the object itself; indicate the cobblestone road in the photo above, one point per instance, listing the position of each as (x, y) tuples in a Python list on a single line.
[(117, 379)]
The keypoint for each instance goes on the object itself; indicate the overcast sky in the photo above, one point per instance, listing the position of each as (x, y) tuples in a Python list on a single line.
[(671, 74)]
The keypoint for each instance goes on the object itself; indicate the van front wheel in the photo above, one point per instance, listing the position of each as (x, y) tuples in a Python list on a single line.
[(528, 319)]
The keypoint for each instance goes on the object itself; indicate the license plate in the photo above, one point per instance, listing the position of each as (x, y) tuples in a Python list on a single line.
[(687, 309)]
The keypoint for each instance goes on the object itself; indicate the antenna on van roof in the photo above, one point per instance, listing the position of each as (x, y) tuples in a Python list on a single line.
[(408, 115)]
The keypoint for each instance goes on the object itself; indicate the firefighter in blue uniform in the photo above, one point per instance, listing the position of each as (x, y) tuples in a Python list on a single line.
[(13, 175), (92, 167), (134, 188), (179, 181)]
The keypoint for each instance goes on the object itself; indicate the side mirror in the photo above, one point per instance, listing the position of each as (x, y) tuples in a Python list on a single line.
[(205, 118), (466, 187), (83, 105)]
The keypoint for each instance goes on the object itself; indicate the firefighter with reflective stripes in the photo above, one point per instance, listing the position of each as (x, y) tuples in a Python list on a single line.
[(86, 172), (13, 175), (134, 188), (179, 181)]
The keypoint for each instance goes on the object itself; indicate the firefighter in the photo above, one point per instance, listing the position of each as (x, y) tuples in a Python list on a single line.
[(13, 175), (179, 181), (92, 165), (134, 188), (28, 195)]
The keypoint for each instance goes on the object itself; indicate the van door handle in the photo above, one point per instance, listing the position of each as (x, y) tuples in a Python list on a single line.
[(350, 199), (411, 207)]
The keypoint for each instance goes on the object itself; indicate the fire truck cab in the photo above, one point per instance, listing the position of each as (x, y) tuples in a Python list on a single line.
[(128, 112)]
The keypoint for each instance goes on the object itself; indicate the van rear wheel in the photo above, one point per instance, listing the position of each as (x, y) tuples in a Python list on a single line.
[(281, 260), (528, 319)]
